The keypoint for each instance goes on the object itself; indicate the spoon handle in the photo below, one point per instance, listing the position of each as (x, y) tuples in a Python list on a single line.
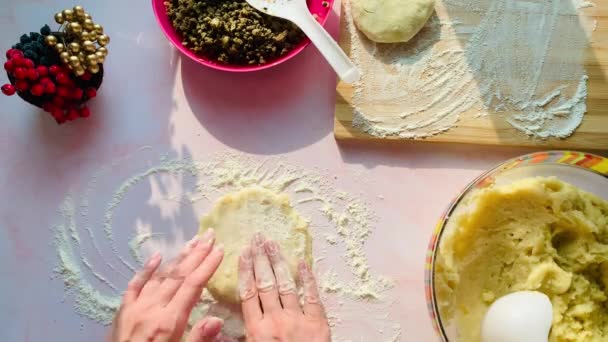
[(328, 47)]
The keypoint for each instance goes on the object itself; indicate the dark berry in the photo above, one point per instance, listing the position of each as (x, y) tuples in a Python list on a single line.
[(50, 88), (44, 60), (31, 54), (42, 71), (20, 73), (37, 47), (21, 85), (34, 35), (32, 74), (91, 93), (8, 89), (37, 89), (9, 66), (85, 112), (62, 78), (45, 30), (27, 47), (24, 39), (54, 69)]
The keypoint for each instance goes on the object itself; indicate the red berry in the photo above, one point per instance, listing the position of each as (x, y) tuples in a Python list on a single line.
[(57, 112), (28, 63), (9, 53), (9, 66), (62, 78), (76, 93), (91, 93), (32, 74), (73, 114), (22, 85), (86, 76), (85, 112), (50, 88), (42, 71), (54, 69), (63, 92), (8, 89), (17, 61), (58, 115), (58, 101), (20, 73), (37, 89), (15, 54), (48, 107), (45, 80)]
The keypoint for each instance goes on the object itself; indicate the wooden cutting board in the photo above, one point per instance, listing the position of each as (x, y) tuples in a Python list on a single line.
[(492, 129)]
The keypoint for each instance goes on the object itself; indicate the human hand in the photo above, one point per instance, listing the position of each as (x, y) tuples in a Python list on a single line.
[(271, 308), (157, 303)]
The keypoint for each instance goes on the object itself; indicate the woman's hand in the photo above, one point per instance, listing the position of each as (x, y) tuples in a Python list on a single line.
[(271, 308), (157, 304)]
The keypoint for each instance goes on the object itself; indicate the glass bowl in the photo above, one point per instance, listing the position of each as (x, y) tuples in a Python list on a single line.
[(586, 171)]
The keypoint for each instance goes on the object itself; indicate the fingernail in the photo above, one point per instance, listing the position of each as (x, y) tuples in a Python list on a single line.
[(303, 267), (208, 235), (246, 255), (153, 259), (219, 248), (258, 239), (272, 248), (194, 241), (212, 326)]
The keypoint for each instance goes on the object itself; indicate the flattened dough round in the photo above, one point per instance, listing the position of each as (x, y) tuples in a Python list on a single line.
[(236, 217), (391, 21)]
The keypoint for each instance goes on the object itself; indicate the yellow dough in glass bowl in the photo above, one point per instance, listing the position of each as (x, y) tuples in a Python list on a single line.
[(237, 216), (534, 234)]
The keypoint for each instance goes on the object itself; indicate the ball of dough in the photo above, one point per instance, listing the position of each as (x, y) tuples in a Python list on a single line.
[(391, 21), (236, 217)]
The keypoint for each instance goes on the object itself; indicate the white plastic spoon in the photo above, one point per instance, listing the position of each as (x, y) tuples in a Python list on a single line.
[(524, 316), (297, 12)]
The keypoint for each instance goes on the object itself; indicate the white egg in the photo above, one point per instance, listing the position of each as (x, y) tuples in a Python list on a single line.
[(523, 316)]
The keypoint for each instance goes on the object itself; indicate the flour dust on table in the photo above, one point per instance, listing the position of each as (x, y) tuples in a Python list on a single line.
[(521, 60), (95, 262)]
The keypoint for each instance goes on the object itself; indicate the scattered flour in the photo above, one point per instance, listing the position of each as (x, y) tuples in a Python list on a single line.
[(338, 221), (522, 60)]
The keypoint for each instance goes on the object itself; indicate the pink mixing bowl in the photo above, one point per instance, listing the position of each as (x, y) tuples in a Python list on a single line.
[(314, 6)]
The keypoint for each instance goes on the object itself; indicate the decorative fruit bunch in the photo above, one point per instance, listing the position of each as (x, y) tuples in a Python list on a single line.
[(59, 71)]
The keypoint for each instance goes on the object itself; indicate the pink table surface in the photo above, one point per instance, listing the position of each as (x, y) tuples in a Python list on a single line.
[(152, 97)]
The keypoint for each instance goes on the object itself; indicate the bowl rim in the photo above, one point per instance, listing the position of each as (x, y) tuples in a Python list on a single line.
[(160, 15), (582, 160)]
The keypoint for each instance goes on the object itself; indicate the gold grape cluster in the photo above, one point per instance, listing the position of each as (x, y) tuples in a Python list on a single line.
[(82, 45)]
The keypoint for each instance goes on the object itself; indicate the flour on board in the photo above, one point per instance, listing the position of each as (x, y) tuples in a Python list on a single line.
[(522, 60), (346, 219)]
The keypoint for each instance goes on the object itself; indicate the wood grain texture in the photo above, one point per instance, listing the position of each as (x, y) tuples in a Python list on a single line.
[(493, 129)]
